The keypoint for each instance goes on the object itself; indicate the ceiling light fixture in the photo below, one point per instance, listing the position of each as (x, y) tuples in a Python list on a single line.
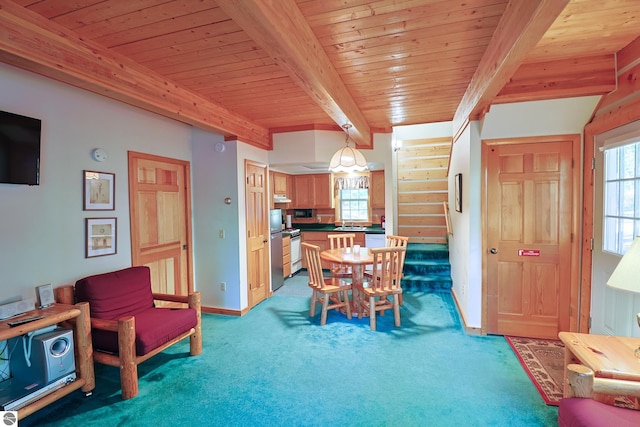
[(347, 159)]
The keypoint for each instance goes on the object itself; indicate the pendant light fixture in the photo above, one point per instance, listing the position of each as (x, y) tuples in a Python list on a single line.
[(347, 159)]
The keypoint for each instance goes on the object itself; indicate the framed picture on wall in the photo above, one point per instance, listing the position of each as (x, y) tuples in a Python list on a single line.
[(99, 191), (101, 236), (458, 185)]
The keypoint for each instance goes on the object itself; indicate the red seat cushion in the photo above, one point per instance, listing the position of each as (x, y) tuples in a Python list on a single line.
[(154, 327), (577, 412), (128, 292)]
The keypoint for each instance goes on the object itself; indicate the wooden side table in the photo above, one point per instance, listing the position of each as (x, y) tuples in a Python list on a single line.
[(608, 356), (78, 314)]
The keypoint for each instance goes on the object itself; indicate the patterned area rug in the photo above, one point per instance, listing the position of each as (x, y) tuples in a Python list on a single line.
[(543, 361)]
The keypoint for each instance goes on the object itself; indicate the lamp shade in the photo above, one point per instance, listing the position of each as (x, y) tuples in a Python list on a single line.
[(348, 159), (626, 275)]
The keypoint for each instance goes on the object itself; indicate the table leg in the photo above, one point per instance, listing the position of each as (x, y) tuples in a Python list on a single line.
[(568, 359), (357, 279)]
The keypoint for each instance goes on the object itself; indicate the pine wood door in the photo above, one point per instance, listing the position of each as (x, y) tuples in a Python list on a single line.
[(159, 203), (257, 217), (529, 237)]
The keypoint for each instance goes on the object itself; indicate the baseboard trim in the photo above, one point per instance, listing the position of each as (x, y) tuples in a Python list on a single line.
[(225, 311), (467, 329)]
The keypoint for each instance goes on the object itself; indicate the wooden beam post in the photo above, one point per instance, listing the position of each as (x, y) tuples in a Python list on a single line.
[(32, 42), (282, 31), (521, 27)]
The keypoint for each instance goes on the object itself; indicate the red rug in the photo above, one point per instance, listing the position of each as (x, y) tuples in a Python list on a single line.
[(543, 361)]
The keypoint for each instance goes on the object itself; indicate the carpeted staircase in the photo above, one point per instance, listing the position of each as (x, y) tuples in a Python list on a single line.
[(427, 268)]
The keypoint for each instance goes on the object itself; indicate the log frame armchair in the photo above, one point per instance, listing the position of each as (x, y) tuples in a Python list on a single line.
[(582, 405), (127, 328)]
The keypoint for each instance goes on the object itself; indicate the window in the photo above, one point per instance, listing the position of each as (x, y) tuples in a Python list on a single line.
[(354, 204), (621, 197)]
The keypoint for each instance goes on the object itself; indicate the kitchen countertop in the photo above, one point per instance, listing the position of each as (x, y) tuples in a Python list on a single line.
[(373, 229)]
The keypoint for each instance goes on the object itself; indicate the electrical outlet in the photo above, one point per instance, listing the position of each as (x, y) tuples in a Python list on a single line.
[(223, 286), (221, 233)]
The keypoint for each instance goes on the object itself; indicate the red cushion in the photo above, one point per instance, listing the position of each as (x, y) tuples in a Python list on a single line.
[(577, 412), (118, 293), (154, 327)]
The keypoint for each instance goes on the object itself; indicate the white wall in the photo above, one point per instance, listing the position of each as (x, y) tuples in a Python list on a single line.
[(535, 118), (216, 260), (311, 147), (216, 176), (42, 228), (465, 245)]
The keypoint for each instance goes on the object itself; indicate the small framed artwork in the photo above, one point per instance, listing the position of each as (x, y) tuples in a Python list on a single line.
[(99, 191), (458, 185), (101, 236)]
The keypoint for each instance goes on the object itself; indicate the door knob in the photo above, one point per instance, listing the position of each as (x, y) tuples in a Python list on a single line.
[(493, 251)]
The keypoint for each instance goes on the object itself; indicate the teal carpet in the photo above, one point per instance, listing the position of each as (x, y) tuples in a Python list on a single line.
[(277, 367)]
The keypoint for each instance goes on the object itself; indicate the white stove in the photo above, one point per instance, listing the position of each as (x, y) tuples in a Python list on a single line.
[(296, 249), (293, 232)]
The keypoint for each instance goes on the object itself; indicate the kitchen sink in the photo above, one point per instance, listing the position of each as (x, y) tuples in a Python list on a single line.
[(353, 228)]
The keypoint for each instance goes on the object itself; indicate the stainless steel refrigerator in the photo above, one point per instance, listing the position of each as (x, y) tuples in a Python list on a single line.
[(275, 229)]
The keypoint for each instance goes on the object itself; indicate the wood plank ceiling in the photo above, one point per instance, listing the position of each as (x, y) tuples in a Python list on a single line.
[(253, 67)]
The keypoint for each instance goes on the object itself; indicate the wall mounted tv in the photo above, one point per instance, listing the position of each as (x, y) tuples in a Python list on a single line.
[(19, 149)]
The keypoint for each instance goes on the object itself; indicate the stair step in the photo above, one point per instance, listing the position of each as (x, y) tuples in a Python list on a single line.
[(412, 283), (427, 251), (427, 268)]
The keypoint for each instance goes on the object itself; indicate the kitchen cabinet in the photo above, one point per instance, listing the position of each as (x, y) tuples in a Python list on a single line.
[(322, 191), (286, 256), (319, 238), (377, 190), (279, 183), (313, 191), (302, 191)]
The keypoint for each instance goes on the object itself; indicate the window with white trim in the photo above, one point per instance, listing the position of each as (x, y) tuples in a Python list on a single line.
[(621, 222), (352, 191), (354, 204)]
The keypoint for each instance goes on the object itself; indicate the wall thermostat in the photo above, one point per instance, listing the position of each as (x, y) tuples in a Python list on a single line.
[(99, 155), (219, 147)]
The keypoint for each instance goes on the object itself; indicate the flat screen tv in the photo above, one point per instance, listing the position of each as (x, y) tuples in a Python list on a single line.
[(19, 149)]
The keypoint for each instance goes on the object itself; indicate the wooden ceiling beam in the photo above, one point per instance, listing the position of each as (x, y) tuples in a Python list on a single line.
[(593, 75), (521, 27), (31, 42), (280, 29)]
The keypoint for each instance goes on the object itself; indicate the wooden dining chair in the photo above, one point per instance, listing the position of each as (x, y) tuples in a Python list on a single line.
[(397, 241), (341, 240), (382, 290), (391, 242), (324, 288)]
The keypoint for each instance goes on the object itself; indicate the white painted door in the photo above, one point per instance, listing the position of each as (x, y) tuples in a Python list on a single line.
[(612, 311)]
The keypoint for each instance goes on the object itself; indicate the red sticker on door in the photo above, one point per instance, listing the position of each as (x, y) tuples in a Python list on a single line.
[(528, 252)]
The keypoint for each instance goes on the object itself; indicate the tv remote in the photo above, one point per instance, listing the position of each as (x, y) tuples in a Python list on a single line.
[(23, 321)]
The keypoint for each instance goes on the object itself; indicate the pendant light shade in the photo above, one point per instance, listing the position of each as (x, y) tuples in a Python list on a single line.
[(348, 159)]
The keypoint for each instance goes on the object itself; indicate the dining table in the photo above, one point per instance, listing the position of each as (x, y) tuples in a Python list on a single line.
[(357, 258)]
